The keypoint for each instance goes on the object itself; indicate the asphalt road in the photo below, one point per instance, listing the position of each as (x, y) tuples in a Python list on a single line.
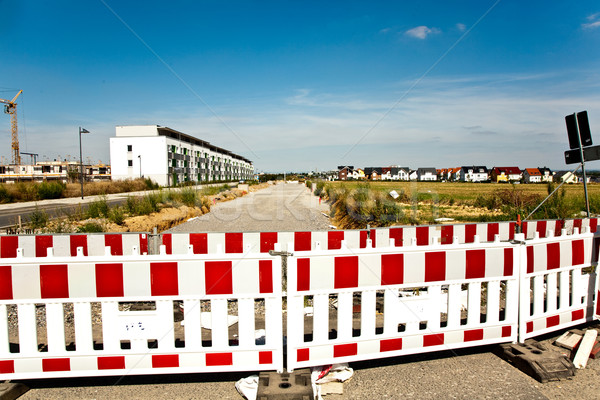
[(474, 373)]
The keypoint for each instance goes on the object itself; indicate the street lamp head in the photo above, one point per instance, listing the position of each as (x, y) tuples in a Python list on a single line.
[(83, 130)]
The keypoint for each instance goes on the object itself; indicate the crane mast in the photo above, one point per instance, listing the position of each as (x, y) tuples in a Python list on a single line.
[(11, 109)]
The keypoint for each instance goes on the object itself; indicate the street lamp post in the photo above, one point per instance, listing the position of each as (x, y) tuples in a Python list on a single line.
[(81, 130), (140, 157)]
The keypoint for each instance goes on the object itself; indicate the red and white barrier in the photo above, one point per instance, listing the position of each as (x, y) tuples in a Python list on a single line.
[(66, 245), (418, 289), (96, 286), (556, 283)]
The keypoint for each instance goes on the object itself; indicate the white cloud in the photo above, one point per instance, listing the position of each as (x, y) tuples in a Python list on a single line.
[(461, 27), (594, 21), (385, 30), (421, 32)]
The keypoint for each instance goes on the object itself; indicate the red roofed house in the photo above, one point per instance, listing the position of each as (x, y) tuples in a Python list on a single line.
[(506, 174), (532, 175)]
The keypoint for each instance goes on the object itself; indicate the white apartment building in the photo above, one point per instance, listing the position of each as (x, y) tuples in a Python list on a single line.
[(169, 157)]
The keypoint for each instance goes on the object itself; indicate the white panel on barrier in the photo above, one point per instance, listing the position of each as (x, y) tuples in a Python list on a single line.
[(114, 336), (555, 282), (417, 291)]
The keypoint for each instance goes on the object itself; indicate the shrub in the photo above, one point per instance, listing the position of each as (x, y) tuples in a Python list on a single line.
[(98, 208), (90, 227), (150, 184), (117, 216), (189, 196), (38, 219), (51, 190), (5, 196)]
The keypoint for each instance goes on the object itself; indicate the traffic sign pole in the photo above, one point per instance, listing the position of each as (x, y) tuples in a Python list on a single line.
[(587, 201)]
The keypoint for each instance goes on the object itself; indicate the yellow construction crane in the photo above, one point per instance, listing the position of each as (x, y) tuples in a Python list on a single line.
[(11, 108)]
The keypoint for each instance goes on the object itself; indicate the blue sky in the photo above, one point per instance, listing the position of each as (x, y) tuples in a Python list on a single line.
[(303, 85)]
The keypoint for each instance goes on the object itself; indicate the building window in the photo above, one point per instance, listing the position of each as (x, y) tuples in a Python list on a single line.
[(130, 163), (129, 147)]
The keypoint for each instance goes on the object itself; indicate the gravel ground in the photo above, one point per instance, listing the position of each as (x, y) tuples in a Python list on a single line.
[(473, 373), (281, 207)]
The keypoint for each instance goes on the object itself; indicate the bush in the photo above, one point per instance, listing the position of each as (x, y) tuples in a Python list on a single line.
[(98, 208), (5, 196), (51, 190), (38, 219), (90, 227), (117, 216), (189, 196), (150, 184)]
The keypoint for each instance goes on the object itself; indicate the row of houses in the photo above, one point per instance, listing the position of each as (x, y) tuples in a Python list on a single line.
[(457, 174)]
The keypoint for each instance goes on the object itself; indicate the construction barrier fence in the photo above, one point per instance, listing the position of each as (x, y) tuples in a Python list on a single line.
[(91, 305)]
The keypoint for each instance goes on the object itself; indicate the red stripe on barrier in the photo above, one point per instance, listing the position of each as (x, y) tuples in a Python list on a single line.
[(529, 259), (303, 274), (598, 303), (447, 234), (493, 229), (511, 230), (541, 228), (265, 276), (578, 256), (345, 350), (593, 225), (506, 331), (267, 241), (76, 241), (302, 241), (165, 361), (215, 359), (6, 292), (8, 246), (422, 235), (265, 357), (346, 272), (163, 279), (390, 345), (334, 240), (577, 224), (470, 232), (559, 225), (363, 236), (475, 264), (56, 364), (373, 238), (115, 362), (54, 281), (524, 226), (435, 339), (552, 321), (199, 243), (302, 355), (529, 327), (109, 280), (473, 335), (115, 242), (7, 367), (577, 314), (234, 242), (167, 241), (42, 243), (398, 235), (218, 277), (508, 262), (143, 243), (392, 269), (435, 266), (553, 255)]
